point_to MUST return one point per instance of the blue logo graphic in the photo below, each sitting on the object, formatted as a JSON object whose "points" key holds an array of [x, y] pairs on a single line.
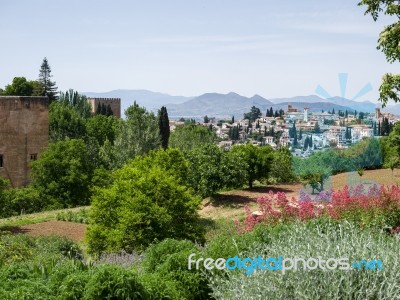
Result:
{"points": [[343, 77]]}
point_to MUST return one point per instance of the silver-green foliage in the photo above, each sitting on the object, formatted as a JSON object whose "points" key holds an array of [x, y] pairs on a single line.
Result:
{"points": [[301, 240]]}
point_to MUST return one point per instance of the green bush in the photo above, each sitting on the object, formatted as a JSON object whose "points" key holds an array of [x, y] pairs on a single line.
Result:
{"points": [[63, 174], [25, 200], [159, 287], [169, 259], [146, 202], [112, 282], [211, 169]]}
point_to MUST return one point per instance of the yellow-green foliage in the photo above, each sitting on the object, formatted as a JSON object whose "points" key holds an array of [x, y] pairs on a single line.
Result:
{"points": [[148, 201]]}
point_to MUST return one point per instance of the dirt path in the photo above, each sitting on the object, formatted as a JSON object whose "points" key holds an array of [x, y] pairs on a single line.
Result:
{"points": [[73, 231]]}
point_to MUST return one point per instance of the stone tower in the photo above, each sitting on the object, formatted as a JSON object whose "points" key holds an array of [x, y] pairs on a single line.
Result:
{"points": [[24, 133], [115, 104]]}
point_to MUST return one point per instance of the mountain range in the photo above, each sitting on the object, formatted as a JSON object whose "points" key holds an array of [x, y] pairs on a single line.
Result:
{"points": [[232, 104]]}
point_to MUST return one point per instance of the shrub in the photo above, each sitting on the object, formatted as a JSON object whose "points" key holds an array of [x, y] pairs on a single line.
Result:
{"points": [[316, 239], [169, 259], [211, 169], [63, 174], [112, 282], [148, 201], [379, 207], [25, 200]]}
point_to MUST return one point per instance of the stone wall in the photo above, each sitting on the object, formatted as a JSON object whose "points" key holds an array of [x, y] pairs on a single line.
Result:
{"points": [[115, 104], [24, 133]]}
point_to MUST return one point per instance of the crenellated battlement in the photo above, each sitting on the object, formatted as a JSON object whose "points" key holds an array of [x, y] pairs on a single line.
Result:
{"points": [[115, 104]]}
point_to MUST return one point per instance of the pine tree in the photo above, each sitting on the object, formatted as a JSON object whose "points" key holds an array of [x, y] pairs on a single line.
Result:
{"points": [[333, 111], [276, 114], [233, 119], [49, 87], [163, 126], [310, 143]]}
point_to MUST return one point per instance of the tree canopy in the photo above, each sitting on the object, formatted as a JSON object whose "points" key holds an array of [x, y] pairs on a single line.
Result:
{"points": [[388, 43]]}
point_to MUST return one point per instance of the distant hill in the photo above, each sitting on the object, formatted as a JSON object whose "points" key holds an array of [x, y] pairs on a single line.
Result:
{"points": [[231, 104], [151, 100], [308, 99], [218, 105]]}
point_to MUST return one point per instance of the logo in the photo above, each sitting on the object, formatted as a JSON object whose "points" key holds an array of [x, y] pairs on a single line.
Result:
{"points": [[343, 77], [250, 265]]}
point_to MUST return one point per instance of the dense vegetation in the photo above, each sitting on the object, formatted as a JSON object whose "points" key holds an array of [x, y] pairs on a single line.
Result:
{"points": [[144, 185]]}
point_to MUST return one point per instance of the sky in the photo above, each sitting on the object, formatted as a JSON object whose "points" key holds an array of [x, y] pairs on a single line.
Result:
{"points": [[184, 47]]}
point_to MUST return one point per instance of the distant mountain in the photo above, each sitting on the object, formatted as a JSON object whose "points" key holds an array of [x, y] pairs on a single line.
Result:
{"points": [[151, 100], [231, 104], [218, 105], [365, 106]]}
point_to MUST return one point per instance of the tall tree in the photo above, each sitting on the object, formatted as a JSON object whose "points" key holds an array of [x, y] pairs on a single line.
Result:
{"points": [[109, 111], [139, 134], [49, 86], [77, 101], [317, 129], [388, 43], [163, 125], [253, 115]]}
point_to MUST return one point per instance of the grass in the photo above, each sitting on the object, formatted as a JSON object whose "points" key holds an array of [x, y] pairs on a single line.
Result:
{"points": [[35, 218]]}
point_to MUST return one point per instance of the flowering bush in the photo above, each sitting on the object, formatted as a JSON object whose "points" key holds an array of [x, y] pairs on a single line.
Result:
{"points": [[377, 207]]}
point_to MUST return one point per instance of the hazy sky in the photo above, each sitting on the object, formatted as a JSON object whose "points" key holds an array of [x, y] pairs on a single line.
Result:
{"points": [[183, 47]]}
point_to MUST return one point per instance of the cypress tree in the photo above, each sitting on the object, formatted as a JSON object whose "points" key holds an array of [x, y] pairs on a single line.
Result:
{"points": [[103, 109], [109, 111], [98, 109], [163, 125]]}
